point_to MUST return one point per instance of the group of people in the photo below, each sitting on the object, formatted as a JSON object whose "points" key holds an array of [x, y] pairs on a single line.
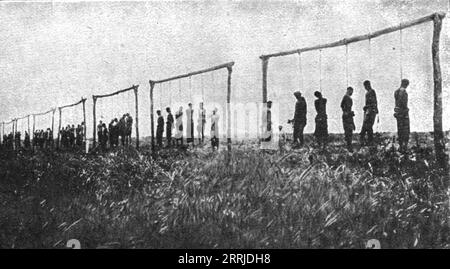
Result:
{"points": [[177, 124], [41, 139], [13, 140], [72, 136], [117, 130], [401, 113]]}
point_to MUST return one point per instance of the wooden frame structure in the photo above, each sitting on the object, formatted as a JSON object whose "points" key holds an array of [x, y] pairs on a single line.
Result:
{"points": [[228, 66], [53, 110], [436, 18], [94, 99], [3, 127], [28, 122], [83, 102]]}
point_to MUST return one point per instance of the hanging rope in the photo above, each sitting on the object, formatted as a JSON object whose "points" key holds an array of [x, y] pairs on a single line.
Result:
{"points": [[370, 59], [170, 93], [300, 81], [160, 95], [401, 53], [346, 64], [320, 70], [201, 87], [190, 89]]}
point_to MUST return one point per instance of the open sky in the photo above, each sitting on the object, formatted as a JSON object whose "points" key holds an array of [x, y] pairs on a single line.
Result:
{"points": [[54, 53]]}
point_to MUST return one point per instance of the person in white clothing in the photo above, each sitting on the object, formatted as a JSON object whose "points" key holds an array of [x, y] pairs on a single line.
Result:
{"points": [[215, 130]]}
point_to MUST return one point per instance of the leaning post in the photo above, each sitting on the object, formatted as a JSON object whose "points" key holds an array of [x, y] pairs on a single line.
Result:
{"points": [[135, 88], [152, 122], [439, 145], [94, 127], [230, 70]]}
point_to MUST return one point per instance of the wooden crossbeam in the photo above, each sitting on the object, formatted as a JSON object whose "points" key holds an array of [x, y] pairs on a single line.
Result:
{"points": [[115, 93], [190, 74], [358, 38], [74, 104]]}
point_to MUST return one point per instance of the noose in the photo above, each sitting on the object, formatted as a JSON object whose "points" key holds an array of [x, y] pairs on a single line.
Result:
{"points": [[401, 53], [370, 58], [160, 95], [320, 70], [170, 93], [202, 88], [190, 89], [370, 78], [346, 64], [300, 70]]}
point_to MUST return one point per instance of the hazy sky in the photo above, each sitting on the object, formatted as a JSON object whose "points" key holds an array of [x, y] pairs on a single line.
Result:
{"points": [[52, 54]]}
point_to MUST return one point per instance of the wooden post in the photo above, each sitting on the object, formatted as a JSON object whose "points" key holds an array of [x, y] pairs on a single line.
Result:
{"points": [[137, 115], [265, 63], [235, 124], [53, 126], [439, 145], [94, 127], [14, 134], [152, 121], [230, 70], [84, 119], [58, 142], [28, 120], [34, 130]]}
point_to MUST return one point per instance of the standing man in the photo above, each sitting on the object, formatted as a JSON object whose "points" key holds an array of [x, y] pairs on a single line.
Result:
{"points": [[370, 112], [401, 113], [321, 120], [299, 120], [267, 122], [129, 128], [169, 126], [190, 124], [99, 132], [105, 135], [347, 118], [159, 129], [27, 140], [112, 133], [215, 130], [201, 123]]}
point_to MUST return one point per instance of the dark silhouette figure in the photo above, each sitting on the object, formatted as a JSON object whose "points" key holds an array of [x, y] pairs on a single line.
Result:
{"points": [[299, 121], [321, 131], [169, 127], [347, 118], [370, 112], [401, 113], [159, 129]]}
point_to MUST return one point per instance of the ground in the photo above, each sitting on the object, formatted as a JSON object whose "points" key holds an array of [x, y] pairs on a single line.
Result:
{"points": [[196, 198]]}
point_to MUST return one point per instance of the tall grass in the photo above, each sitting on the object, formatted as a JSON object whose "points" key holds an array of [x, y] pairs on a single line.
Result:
{"points": [[200, 199]]}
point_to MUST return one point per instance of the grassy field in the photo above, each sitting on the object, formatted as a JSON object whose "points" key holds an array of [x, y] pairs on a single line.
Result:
{"points": [[195, 198]]}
